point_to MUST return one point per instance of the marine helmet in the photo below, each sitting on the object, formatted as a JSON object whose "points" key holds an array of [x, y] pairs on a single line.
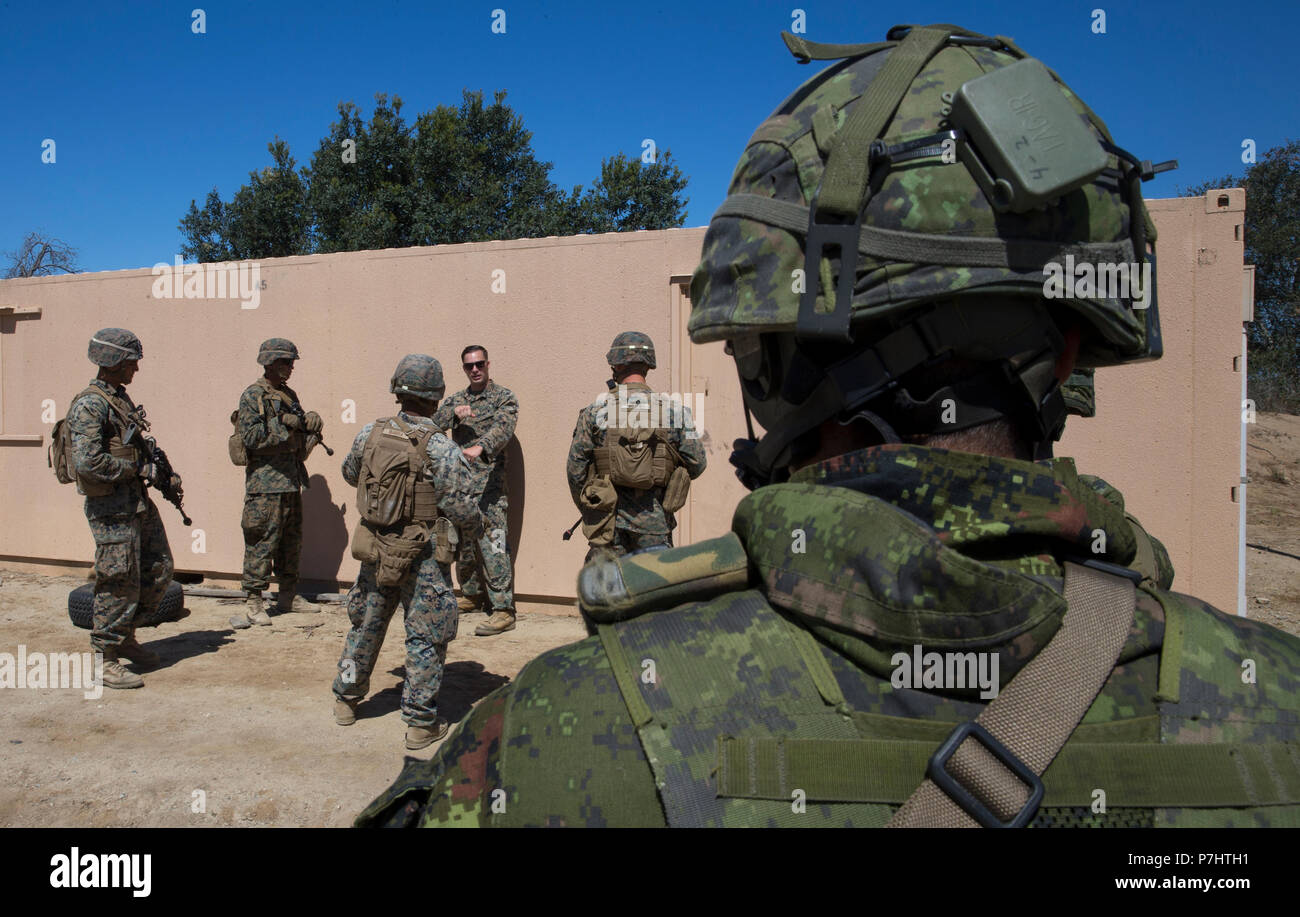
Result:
{"points": [[631, 347], [110, 346], [906, 208], [276, 349], [419, 375]]}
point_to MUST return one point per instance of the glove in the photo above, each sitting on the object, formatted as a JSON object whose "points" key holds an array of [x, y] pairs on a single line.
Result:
{"points": [[313, 423], [148, 471], [176, 483], [291, 421]]}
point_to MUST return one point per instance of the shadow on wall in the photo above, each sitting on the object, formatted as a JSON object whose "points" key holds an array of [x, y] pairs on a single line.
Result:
{"points": [[515, 478], [324, 533]]}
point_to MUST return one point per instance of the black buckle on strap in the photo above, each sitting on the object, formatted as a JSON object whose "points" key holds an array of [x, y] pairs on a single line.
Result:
{"points": [[833, 326], [959, 794]]}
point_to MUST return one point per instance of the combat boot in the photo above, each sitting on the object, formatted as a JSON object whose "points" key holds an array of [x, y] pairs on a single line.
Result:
{"points": [[117, 675], [255, 613], [502, 620], [345, 710], [418, 737], [288, 601], [467, 603], [131, 649]]}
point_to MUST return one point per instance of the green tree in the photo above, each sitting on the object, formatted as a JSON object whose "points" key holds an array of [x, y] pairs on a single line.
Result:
{"points": [[1272, 241], [266, 218], [459, 174]]}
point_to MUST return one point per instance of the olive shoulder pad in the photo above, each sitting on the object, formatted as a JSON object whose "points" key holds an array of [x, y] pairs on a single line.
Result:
{"points": [[619, 588]]}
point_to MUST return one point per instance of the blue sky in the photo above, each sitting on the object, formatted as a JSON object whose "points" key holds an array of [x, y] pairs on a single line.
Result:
{"points": [[147, 115]]}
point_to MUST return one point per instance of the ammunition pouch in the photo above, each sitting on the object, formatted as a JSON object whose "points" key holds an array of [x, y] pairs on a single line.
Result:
{"points": [[365, 547], [424, 503], [599, 509], [235, 445], [446, 540]]}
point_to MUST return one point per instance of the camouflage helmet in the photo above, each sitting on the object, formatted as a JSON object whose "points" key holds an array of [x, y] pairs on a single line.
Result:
{"points": [[631, 347], [420, 375], [276, 349], [110, 346], [892, 214]]}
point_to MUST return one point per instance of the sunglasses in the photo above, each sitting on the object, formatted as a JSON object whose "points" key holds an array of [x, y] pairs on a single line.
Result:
{"points": [[479, 364]]}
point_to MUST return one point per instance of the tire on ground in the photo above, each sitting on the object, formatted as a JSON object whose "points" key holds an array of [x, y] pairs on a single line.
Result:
{"points": [[81, 610]]}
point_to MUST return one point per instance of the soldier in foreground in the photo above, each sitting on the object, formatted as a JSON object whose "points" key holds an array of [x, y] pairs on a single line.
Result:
{"points": [[133, 562], [906, 503], [482, 419], [633, 457], [414, 490], [274, 432]]}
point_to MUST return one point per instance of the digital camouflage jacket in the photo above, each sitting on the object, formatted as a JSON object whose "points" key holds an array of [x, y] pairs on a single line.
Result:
{"points": [[91, 423], [748, 680], [496, 411], [638, 510], [448, 471], [274, 451]]}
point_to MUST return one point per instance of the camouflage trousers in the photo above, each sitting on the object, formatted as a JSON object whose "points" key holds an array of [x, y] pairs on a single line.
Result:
{"points": [[431, 618], [488, 559], [133, 568], [627, 541], [272, 525]]}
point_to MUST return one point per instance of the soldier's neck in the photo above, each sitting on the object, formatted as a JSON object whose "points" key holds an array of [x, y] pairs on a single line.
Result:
{"points": [[482, 385]]}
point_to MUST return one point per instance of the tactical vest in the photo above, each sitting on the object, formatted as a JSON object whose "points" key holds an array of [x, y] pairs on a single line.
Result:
{"points": [[61, 457], [389, 489], [742, 713], [278, 405]]}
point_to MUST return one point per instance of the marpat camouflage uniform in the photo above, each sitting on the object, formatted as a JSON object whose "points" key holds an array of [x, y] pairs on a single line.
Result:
{"points": [[133, 562], [273, 482], [496, 411], [425, 592], [641, 521], [903, 545]]}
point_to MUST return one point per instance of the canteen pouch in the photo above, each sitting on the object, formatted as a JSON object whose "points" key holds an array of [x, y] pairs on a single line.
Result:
{"points": [[446, 540], [599, 508], [364, 546], [235, 445], [679, 486]]}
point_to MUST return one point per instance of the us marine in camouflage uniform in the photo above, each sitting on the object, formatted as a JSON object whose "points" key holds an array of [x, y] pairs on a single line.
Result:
{"points": [[133, 562], [277, 441], [641, 522], [425, 589], [906, 500], [482, 419]]}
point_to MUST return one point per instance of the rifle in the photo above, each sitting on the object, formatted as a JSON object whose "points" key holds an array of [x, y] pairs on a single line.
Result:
{"points": [[156, 457], [296, 409]]}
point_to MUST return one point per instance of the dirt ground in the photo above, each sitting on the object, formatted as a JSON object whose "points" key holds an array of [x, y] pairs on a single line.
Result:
{"points": [[1273, 520], [242, 720], [245, 717]]}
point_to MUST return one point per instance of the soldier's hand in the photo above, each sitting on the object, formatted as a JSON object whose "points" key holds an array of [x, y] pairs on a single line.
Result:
{"points": [[463, 411], [291, 421], [176, 483], [313, 423], [149, 471], [473, 452]]}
